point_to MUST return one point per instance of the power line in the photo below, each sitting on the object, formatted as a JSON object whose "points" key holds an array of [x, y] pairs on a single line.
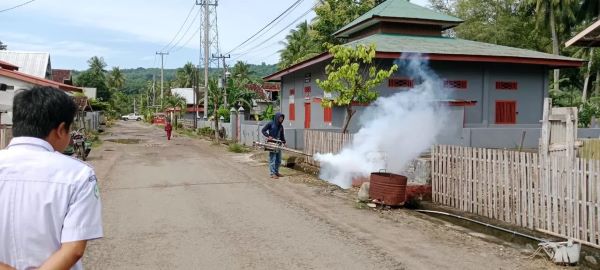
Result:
{"points": [[272, 26], [257, 50], [283, 29], [181, 27], [273, 21], [188, 41], [17, 6], [186, 31]]}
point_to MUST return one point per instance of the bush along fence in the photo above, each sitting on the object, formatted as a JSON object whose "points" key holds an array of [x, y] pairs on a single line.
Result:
{"points": [[5, 137]]}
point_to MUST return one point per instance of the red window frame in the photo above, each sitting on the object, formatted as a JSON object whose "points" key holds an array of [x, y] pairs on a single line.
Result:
{"points": [[507, 85], [292, 113], [401, 83], [456, 84], [307, 114], [327, 115], [292, 106], [506, 112]]}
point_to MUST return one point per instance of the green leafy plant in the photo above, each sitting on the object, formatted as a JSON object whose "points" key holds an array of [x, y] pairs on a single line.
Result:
{"points": [[351, 77], [268, 114], [206, 131]]}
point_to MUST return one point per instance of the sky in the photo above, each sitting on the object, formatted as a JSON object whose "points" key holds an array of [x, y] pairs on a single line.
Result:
{"points": [[128, 33]]}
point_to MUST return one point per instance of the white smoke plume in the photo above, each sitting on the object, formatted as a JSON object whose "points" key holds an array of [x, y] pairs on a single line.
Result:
{"points": [[394, 130]]}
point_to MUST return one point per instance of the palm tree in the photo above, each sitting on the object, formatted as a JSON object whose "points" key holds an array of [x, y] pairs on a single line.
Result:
{"points": [[116, 79], [241, 70], [97, 65], [185, 75], [298, 45], [2, 46], [558, 14], [589, 10], [241, 74]]}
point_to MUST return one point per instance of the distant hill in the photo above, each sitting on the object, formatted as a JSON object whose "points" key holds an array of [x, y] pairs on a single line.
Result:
{"points": [[136, 78]]}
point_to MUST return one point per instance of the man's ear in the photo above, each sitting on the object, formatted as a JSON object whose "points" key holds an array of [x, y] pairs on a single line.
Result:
{"points": [[63, 130]]}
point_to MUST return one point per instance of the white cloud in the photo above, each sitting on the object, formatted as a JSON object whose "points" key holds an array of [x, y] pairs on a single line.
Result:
{"points": [[64, 48], [149, 21]]}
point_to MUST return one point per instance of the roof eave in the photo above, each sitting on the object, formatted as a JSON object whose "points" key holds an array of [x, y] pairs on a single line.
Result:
{"points": [[39, 81], [275, 77], [344, 32], [583, 35], [551, 63]]}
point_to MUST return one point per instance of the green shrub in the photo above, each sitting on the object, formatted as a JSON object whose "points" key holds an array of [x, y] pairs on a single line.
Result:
{"points": [[206, 131], [237, 148]]}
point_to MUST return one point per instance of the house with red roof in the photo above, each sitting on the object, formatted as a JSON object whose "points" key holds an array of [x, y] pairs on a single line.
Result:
{"points": [[12, 80]]}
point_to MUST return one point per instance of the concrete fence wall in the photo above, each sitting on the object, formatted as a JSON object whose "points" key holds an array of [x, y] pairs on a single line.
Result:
{"points": [[92, 121], [498, 137]]}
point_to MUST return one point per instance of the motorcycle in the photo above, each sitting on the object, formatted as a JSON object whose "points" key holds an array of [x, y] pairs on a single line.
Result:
{"points": [[79, 145]]}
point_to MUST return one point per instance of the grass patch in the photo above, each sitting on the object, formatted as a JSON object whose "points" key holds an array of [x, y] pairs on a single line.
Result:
{"points": [[188, 132], [361, 205], [206, 131], [237, 148]]}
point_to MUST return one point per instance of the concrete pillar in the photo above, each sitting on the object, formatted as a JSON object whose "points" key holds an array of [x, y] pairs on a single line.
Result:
{"points": [[241, 117], [233, 121]]}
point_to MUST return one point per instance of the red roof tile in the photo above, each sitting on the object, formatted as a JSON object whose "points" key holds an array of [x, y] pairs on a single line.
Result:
{"points": [[38, 81], [7, 65], [61, 75]]}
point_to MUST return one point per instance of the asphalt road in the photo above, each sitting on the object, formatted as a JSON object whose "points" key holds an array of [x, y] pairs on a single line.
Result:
{"points": [[189, 204]]}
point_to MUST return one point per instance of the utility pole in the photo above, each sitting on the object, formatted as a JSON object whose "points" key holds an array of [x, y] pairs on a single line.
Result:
{"points": [[210, 38], [196, 91], [162, 75], [225, 76], [153, 90]]}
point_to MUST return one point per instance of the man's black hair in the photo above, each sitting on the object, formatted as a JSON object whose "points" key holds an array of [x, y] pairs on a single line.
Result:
{"points": [[36, 112]]}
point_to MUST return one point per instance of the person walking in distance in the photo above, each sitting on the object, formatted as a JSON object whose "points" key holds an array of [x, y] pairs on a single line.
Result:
{"points": [[49, 202], [168, 129], [275, 133]]}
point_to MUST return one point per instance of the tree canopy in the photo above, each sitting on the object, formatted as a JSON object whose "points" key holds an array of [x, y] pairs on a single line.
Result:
{"points": [[311, 38]]}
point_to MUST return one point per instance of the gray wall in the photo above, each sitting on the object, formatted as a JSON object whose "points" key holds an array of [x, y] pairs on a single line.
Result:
{"points": [[481, 80], [92, 120]]}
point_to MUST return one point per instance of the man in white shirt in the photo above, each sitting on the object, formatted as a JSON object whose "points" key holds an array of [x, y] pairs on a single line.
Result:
{"points": [[49, 202]]}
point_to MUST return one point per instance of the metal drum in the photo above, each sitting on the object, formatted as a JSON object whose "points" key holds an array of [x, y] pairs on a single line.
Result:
{"points": [[388, 188]]}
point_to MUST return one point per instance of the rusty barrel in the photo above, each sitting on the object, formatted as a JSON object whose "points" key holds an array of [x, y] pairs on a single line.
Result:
{"points": [[388, 188]]}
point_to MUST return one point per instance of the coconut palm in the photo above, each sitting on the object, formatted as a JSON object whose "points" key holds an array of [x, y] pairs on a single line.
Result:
{"points": [[241, 75], [97, 64], [589, 9], [559, 15], [116, 79], [185, 75], [298, 45], [241, 70]]}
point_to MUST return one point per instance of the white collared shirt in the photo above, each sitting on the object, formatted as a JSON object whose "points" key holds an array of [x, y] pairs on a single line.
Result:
{"points": [[46, 198]]}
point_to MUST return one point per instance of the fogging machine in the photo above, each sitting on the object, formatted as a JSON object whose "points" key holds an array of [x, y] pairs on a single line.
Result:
{"points": [[277, 145]]}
